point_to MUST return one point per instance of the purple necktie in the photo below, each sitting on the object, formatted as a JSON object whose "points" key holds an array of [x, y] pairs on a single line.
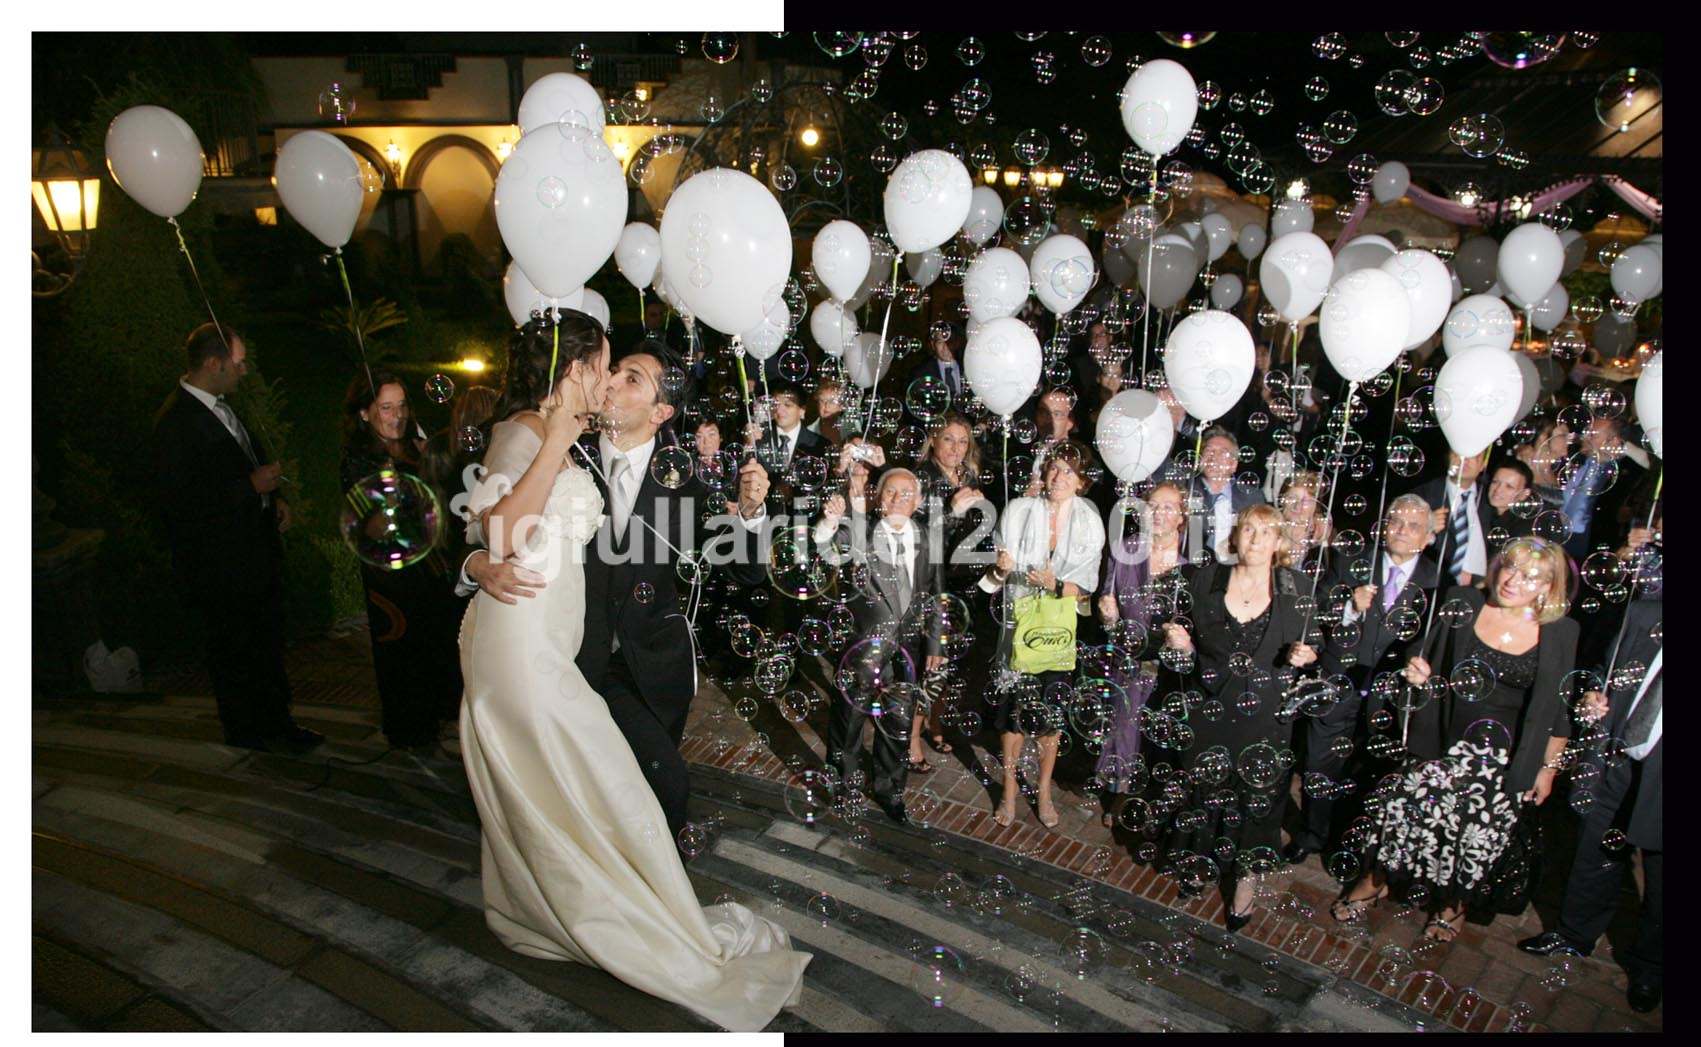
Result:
{"points": [[1391, 588]]}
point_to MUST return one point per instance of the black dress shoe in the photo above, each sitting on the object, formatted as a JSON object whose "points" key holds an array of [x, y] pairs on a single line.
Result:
{"points": [[1643, 996], [1235, 923], [1550, 942], [1296, 852], [896, 812]]}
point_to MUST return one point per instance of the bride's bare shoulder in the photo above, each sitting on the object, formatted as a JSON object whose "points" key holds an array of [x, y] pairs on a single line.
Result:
{"points": [[531, 420]]}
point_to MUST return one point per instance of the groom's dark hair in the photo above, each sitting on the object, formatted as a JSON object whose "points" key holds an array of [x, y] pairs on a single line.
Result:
{"points": [[670, 361]]}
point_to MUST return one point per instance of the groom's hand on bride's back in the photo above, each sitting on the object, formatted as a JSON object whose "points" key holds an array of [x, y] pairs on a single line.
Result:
{"points": [[503, 580]]}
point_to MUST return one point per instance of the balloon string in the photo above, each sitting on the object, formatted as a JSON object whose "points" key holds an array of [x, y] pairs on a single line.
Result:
{"points": [[1382, 501], [874, 390], [1429, 620], [183, 245], [743, 380], [1198, 467], [1151, 245], [554, 355], [354, 321], [1329, 507]]}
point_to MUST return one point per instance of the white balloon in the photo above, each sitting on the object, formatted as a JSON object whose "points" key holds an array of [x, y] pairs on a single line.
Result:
{"points": [[1477, 394], [561, 207], [154, 156], [1650, 402], [1550, 311], [1295, 273], [1365, 321], [1576, 250], [996, 284], [561, 98], [319, 184], [1480, 319], [1173, 266], [841, 256], [867, 360], [1134, 434], [726, 246], [520, 296], [1532, 385], [1458, 288], [1636, 274], [1209, 363], [1429, 292], [1251, 240], [1061, 272], [1227, 291], [1292, 216], [1529, 262], [1195, 234], [985, 217], [1159, 103], [880, 260], [1118, 267], [592, 303], [1002, 364], [1362, 252], [833, 327], [925, 267], [927, 199], [1219, 235], [1390, 182], [1475, 263], [765, 339], [638, 254]]}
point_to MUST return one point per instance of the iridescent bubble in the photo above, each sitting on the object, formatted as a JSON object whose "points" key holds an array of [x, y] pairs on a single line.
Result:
{"points": [[838, 45], [828, 172], [971, 51], [1521, 50], [1626, 97], [1096, 51], [672, 466], [1317, 89], [1031, 146], [1480, 135], [720, 48], [391, 519], [336, 103], [1391, 91], [1340, 127], [439, 388], [1425, 96], [937, 975], [809, 796], [1187, 40]]}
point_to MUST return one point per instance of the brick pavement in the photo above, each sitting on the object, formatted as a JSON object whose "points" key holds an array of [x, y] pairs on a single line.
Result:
{"points": [[1479, 982]]}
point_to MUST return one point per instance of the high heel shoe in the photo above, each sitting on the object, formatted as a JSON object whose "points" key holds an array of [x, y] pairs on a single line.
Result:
{"points": [[1235, 923]]}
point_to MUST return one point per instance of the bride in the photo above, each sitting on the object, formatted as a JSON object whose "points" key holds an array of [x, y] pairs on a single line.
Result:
{"points": [[578, 863]]}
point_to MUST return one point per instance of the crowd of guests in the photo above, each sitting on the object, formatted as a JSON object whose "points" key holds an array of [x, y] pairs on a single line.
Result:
{"points": [[1274, 648]]}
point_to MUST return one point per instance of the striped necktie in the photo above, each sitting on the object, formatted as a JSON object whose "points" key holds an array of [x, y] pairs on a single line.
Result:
{"points": [[1461, 536]]}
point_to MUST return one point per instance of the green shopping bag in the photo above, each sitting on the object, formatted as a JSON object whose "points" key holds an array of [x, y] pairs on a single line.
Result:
{"points": [[1045, 634]]}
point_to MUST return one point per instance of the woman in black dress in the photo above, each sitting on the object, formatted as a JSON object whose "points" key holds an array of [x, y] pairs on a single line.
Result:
{"points": [[1247, 635], [1493, 738], [410, 612]]}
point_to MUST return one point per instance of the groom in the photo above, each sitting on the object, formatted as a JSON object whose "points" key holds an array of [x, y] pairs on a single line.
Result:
{"points": [[637, 651]]}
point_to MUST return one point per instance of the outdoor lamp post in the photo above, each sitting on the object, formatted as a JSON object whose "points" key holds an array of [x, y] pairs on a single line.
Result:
{"points": [[66, 190]]}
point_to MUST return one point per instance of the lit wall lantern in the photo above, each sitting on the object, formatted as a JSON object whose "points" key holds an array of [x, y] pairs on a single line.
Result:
{"points": [[1012, 177], [810, 137], [66, 191], [990, 174], [504, 149], [266, 215], [1054, 177], [393, 153]]}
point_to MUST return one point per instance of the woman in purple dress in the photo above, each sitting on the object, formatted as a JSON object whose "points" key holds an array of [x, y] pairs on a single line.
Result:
{"points": [[1142, 573]]}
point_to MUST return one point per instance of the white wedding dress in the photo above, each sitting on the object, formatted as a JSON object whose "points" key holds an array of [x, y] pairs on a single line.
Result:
{"points": [[578, 861]]}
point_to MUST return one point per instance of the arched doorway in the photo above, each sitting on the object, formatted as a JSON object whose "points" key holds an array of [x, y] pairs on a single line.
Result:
{"points": [[374, 172], [456, 178]]}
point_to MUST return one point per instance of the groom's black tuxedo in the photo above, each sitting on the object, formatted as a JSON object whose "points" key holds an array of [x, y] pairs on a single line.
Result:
{"points": [[633, 594]]}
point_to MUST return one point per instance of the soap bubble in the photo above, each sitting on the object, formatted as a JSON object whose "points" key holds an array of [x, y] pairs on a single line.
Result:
{"points": [[439, 388], [391, 519], [937, 975]]}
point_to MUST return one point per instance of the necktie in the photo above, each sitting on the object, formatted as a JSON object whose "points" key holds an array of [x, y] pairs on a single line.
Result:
{"points": [[234, 424], [619, 490], [902, 569], [1641, 722], [1391, 587], [1460, 534], [951, 378], [785, 448], [1579, 501]]}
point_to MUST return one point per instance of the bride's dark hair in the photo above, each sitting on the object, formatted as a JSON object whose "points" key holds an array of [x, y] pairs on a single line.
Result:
{"points": [[527, 379]]}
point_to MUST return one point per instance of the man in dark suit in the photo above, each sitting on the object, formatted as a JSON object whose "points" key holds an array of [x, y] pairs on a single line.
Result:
{"points": [[1627, 812], [1463, 517], [1510, 483], [943, 364], [218, 495], [1220, 497], [1597, 491], [903, 570], [1401, 578], [638, 651]]}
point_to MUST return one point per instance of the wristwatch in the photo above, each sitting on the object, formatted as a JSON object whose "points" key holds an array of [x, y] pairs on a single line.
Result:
{"points": [[1057, 588]]}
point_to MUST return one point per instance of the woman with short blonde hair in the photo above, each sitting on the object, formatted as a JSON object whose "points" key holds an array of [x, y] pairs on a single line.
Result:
{"points": [[1488, 739]]}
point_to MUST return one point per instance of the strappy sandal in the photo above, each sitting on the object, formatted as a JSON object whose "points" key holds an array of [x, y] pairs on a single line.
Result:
{"points": [[1049, 823], [1005, 815], [1447, 932], [939, 744], [1355, 908], [921, 766]]}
